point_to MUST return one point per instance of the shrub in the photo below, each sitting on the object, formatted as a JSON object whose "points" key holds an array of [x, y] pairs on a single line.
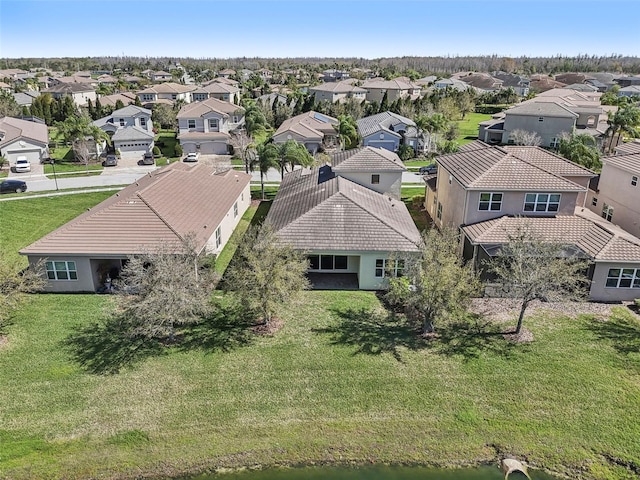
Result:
{"points": [[406, 152], [156, 152], [178, 150]]}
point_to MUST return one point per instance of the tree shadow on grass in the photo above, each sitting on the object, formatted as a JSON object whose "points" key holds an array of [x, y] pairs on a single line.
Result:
{"points": [[473, 336], [374, 333], [621, 331], [227, 327], [107, 347]]}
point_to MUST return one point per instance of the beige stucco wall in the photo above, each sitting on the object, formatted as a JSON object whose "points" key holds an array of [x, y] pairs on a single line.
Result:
{"points": [[230, 222], [601, 293], [615, 189], [452, 196], [84, 283], [390, 182]]}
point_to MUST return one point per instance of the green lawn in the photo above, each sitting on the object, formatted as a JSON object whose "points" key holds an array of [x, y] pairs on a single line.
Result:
{"points": [[168, 141], [468, 127]]}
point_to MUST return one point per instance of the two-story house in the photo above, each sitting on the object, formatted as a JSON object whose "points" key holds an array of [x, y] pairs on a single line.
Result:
{"points": [[79, 92], [221, 91], [395, 89], [389, 130], [130, 129], [374, 168], [490, 192], [314, 130], [337, 92], [205, 126], [168, 92], [616, 194]]}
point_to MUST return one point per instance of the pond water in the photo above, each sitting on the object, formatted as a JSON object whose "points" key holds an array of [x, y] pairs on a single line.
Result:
{"points": [[376, 473]]}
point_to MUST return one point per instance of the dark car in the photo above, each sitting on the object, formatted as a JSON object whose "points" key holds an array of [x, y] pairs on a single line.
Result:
{"points": [[110, 161], [13, 186], [148, 159], [429, 169]]}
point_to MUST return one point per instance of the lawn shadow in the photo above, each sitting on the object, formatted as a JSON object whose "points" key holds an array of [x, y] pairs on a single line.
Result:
{"points": [[621, 331], [473, 336], [374, 333], [107, 347], [227, 327]]}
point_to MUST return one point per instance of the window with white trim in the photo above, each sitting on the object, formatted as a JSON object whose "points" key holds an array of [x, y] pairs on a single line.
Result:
{"points": [[235, 210], [594, 201], [143, 122], [122, 122], [634, 181], [607, 212], [386, 267], [439, 214], [623, 278], [191, 124], [218, 237], [61, 270], [542, 202], [375, 179], [213, 124], [554, 143], [147, 97], [490, 201], [235, 119]]}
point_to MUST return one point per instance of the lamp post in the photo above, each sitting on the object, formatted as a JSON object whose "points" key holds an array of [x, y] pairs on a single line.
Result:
{"points": [[53, 165]]}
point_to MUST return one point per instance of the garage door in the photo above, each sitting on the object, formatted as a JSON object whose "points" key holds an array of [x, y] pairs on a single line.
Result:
{"points": [[32, 155], [386, 144]]}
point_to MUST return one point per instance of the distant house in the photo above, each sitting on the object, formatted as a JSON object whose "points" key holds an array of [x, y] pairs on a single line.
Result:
{"points": [[79, 92], [453, 83], [226, 73], [395, 89], [168, 92], [25, 99], [127, 98], [344, 228], [23, 138], [315, 130], [161, 209], [160, 76], [389, 130], [334, 75], [130, 129], [520, 84], [4, 87], [205, 126], [220, 91], [630, 91], [337, 92], [616, 195], [374, 168], [481, 81]]}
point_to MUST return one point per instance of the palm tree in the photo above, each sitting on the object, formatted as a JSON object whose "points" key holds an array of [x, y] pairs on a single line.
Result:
{"points": [[625, 120], [347, 132], [266, 158], [581, 148], [292, 153], [433, 125]]}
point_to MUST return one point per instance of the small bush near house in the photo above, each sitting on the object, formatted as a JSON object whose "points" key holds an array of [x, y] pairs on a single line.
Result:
{"points": [[156, 152], [178, 150], [406, 152]]}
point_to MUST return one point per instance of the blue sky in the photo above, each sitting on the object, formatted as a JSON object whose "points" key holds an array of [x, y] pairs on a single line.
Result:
{"points": [[328, 28]]}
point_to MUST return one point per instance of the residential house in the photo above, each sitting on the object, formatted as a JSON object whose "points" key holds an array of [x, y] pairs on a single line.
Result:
{"points": [[334, 75], [628, 147], [127, 98], [205, 126], [349, 232], [630, 91], [315, 130], [23, 138], [13, 73], [518, 83], [541, 83], [168, 92], [375, 168], [481, 81], [106, 79], [389, 130], [79, 92], [221, 91], [616, 194], [337, 92], [161, 210], [395, 89], [25, 99], [160, 76], [226, 73], [130, 129], [453, 83], [4, 87], [627, 81]]}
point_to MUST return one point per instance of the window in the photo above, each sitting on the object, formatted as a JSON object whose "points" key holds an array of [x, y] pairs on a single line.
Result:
{"points": [[541, 202], [555, 142], [375, 179], [328, 262], [623, 278], [607, 212], [634, 181], [213, 124], [143, 122], [541, 119], [235, 210], [191, 124], [147, 97], [61, 271], [384, 267], [235, 119], [490, 201], [594, 201], [439, 214], [218, 238], [174, 96], [122, 122]]}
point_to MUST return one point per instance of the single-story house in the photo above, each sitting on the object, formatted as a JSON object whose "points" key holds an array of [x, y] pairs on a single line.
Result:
{"points": [[162, 208], [23, 138]]}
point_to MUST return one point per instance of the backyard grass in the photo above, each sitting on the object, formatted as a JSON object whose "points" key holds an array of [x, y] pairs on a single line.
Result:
{"points": [[168, 142], [468, 127]]}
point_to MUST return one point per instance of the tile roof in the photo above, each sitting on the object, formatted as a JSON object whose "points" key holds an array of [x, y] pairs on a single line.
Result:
{"points": [[168, 87], [551, 109], [309, 125], [381, 121], [199, 109], [131, 133], [597, 239], [337, 87], [367, 159], [494, 167], [629, 147], [69, 88], [629, 162], [15, 128], [394, 84], [220, 88], [161, 207], [548, 161], [316, 210]]}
